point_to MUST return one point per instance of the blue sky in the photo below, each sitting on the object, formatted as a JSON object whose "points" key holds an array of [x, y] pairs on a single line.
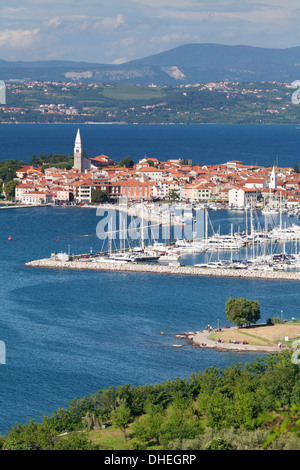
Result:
{"points": [[115, 31]]}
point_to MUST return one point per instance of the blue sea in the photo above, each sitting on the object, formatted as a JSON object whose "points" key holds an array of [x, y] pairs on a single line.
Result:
{"points": [[70, 333], [204, 144]]}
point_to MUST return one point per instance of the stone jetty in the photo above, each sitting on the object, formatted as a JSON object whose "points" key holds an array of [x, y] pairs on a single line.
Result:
{"points": [[82, 263]]}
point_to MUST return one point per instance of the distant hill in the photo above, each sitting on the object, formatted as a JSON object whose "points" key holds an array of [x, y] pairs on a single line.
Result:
{"points": [[190, 63]]}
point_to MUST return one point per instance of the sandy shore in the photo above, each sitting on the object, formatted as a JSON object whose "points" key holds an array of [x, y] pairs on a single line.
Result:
{"points": [[163, 269]]}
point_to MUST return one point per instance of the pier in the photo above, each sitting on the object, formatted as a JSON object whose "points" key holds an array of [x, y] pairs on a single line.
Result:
{"points": [[86, 264]]}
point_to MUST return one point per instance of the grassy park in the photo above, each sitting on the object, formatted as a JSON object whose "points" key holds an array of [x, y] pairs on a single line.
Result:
{"points": [[261, 335]]}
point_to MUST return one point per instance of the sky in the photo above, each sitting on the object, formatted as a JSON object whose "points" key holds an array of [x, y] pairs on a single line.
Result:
{"points": [[117, 31]]}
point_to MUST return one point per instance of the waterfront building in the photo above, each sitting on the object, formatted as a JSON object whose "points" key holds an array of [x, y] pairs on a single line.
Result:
{"points": [[242, 197], [37, 197], [21, 189], [136, 190]]}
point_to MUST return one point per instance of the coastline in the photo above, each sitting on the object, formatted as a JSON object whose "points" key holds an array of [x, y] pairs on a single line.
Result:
{"points": [[124, 123], [200, 339], [163, 269]]}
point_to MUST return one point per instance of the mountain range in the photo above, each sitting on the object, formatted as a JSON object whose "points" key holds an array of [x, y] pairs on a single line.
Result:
{"points": [[186, 64]]}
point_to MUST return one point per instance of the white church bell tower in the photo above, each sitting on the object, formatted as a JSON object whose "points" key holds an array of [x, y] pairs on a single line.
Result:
{"points": [[273, 179], [80, 162], [78, 153]]}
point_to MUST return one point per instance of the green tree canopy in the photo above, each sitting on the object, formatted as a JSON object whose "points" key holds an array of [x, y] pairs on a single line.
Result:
{"points": [[99, 196], [127, 161], [121, 417], [173, 195], [242, 311], [9, 189]]}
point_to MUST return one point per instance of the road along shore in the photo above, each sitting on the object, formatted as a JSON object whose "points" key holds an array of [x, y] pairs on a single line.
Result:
{"points": [[163, 269]]}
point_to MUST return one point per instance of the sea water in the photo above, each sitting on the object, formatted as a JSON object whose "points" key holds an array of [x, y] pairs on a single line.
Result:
{"points": [[203, 144]]}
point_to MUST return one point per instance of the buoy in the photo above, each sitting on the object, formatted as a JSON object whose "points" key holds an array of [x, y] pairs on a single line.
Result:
{"points": [[57, 239], [9, 238]]}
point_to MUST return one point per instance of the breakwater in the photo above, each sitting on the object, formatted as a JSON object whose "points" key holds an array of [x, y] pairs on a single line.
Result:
{"points": [[163, 269]]}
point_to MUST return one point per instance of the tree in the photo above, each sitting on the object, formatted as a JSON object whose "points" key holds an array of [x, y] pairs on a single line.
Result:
{"points": [[173, 195], [242, 311], [219, 444], [280, 421], [9, 189], [181, 422], [121, 417], [126, 162], [34, 160], [99, 196], [149, 425], [74, 442], [30, 436]]}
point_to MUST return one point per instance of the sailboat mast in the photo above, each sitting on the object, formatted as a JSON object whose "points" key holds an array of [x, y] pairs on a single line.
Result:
{"points": [[142, 229]]}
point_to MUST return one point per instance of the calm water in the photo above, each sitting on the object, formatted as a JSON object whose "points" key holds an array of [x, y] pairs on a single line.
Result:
{"points": [[252, 144], [68, 334]]}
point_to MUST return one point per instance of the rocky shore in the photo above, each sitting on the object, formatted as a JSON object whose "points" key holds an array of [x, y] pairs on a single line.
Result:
{"points": [[163, 269]]}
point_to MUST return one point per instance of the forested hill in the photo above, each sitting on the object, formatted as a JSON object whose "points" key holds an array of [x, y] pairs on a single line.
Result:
{"points": [[189, 63]]}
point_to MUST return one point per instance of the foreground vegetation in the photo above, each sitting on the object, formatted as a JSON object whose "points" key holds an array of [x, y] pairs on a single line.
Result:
{"points": [[256, 406]]}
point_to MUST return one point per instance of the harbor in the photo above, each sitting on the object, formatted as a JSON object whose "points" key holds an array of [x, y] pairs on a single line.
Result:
{"points": [[136, 242]]}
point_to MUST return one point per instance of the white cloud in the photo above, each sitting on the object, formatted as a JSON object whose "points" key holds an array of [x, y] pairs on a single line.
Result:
{"points": [[18, 38], [174, 37], [109, 24], [119, 61], [102, 25], [54, 22], [94, 30], [127, 41]]}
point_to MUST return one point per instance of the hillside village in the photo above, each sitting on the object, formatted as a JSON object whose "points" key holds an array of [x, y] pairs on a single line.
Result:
{"points": [[210, 102], [233, 183]]}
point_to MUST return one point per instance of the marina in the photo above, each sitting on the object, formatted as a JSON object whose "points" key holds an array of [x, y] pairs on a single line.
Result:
{"points": [[257, 251]]}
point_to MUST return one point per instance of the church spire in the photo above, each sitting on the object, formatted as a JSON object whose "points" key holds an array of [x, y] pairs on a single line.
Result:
{"points": [[78, 138], [78, 152], [273, 179]]}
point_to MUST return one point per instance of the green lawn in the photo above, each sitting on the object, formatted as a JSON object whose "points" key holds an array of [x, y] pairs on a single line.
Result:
{"points": [[112, 438], [130, 92]]}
